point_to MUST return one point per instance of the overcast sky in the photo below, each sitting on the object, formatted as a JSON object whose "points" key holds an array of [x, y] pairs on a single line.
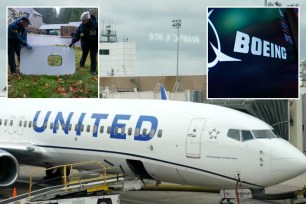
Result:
{"points": [[148, 23]]}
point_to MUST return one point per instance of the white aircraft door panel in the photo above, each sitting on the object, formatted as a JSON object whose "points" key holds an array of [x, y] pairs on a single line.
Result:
{"points": [[193, 138]]}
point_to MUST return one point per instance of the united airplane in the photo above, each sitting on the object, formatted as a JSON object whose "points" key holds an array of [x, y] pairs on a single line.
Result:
{"points": [[179, 142]]}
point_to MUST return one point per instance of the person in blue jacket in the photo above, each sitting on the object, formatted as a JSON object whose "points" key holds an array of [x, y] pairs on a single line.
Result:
{"points": [[17, 38], [87, 32]]}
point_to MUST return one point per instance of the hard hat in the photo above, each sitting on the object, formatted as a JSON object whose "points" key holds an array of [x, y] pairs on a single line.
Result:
{"points": [[85, 16]]}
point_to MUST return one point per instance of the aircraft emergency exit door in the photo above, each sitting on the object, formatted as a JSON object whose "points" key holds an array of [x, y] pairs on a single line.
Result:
{"points": [[193, 138]]}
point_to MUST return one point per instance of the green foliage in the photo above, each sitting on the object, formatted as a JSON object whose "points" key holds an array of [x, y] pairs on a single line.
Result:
{"points": [[80, 84], [49, 15], [55, 60], [67, 15]]}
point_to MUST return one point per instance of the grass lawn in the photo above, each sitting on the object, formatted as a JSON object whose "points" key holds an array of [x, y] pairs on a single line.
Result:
{"points": [[79, 85]]}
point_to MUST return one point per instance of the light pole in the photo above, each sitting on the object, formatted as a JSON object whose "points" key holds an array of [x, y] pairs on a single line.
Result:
{"points": [[177, 24]]}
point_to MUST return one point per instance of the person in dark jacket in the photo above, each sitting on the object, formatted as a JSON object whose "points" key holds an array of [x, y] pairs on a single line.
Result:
{"points": [[17, 38], [87, 32]]}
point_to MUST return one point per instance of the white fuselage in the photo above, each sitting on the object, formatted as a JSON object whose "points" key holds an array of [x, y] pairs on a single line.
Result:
{"points": [[178, 142]]}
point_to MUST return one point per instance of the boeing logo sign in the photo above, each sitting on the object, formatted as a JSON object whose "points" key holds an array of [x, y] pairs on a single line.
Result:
{"points": [[220, 57], [252, 53], [245, 44], [258, 46]]}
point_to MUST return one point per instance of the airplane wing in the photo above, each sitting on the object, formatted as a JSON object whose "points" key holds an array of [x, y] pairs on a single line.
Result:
{"points": [[14, 153], [23, 151]]}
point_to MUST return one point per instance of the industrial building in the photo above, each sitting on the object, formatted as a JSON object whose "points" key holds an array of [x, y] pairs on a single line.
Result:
{"points": [[116, 58], [63, 30], [149, 87]]}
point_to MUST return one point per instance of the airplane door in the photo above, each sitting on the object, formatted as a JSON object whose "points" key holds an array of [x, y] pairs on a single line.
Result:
{"points": [[193, 138]]}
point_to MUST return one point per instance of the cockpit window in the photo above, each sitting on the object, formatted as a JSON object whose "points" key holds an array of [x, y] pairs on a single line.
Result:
{"points": [[259, 134], [234, 134], [246, 135]]}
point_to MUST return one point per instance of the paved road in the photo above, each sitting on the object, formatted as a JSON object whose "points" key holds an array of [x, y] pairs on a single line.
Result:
{"points": [[162, 197]]}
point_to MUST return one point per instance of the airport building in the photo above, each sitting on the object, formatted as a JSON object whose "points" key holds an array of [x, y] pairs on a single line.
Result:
{"points": [[193, 87], [116, 58]]}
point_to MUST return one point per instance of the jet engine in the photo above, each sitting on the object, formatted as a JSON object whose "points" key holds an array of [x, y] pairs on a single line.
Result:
{"points": [[9, 169]]}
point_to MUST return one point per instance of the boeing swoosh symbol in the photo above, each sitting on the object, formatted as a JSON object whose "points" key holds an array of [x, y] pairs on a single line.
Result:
{"points": [[220, 57]]}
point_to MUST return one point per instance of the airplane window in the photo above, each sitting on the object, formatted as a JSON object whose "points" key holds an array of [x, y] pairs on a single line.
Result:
{"points": [[0, 121], [246, 135], [30, 124], [144, 132], [130, 130], [234, 134], [137, 131], [34, 124], [116, 130], [152, 133], [160, 133], [20, 123], [101, 129], [11, 123], [88, 128], [94, 129], [76, 127], [5, 122], [108, 129], [70, 127], [63, 126], [45, 125], [82, 128], [25, 123], [57, 126], [122, 131], [51, 126], [263, 134]]}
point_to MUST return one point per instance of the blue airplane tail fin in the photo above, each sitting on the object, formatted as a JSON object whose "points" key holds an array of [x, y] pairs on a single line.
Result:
{"points": [[163, 93]]}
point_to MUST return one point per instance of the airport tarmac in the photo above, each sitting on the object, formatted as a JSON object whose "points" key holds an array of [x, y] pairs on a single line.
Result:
{"points": [[159, 197]]}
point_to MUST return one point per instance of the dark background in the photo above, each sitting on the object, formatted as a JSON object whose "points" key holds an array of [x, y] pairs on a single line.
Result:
{"points": [[254, 76]]}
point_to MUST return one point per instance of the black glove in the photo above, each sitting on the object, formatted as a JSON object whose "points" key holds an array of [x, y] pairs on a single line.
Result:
{"points": [[71, 45]]}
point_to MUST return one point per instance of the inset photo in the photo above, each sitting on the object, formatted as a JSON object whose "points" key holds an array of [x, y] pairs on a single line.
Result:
{"points": [[52, 52], [2, 74], [253, 53], [159, 58]]}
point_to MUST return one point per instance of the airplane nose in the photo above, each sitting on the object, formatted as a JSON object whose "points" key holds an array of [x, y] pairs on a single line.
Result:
{"points": [[286, 161]]}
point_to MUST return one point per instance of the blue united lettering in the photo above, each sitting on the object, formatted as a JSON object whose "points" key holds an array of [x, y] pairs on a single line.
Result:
{"points": [[119, 121]]}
